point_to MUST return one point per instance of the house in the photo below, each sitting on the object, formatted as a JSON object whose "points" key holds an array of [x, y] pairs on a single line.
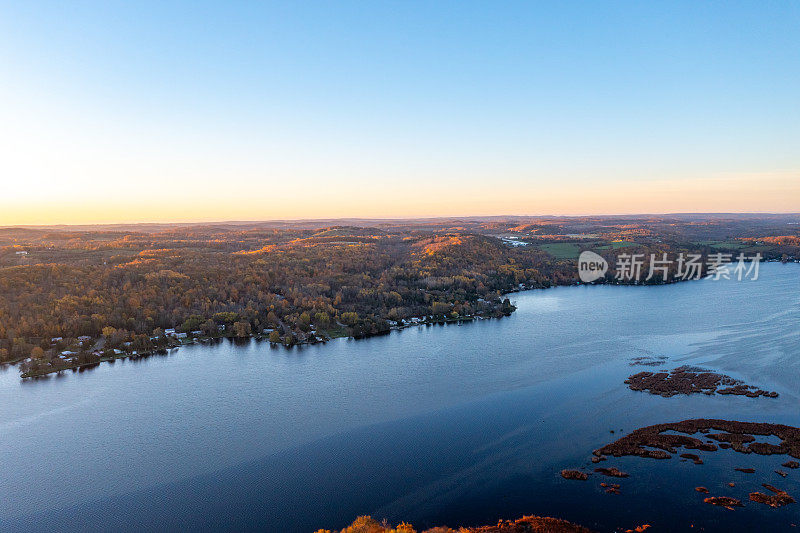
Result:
{"points": [[68, 353], [84, 338], [117, 351], [197, 333], [22, 253], [180, 335], [56, 339], [170, 331]]}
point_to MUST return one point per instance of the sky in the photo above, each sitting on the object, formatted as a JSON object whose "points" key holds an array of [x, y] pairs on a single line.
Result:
{"points": [[130, 111]]}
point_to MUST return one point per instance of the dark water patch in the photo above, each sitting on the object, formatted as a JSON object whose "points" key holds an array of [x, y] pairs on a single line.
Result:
{"points": [[648, 360]]}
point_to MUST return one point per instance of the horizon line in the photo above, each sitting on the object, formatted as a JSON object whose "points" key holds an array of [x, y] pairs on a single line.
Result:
{"points": [[390, 219]]}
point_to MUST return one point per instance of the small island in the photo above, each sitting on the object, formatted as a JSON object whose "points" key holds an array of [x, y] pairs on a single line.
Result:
{"points": [[693, 380], [661, 440]]}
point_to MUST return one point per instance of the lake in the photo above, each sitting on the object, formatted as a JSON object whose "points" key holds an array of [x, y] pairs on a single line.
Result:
{"points": [[456, 425]]}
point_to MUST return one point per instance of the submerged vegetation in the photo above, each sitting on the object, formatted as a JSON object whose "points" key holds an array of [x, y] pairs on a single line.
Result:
{"points": [[662, 441]]}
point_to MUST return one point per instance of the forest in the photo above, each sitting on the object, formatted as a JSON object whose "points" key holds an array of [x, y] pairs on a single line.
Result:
{"points": [[73, 296]]}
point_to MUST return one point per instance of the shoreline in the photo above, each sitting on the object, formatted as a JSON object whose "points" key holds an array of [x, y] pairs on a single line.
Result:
{"points": [[257, 337], [426, 320]]}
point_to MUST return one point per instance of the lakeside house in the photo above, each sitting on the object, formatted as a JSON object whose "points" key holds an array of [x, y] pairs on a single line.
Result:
{"points": [[170, 331]]}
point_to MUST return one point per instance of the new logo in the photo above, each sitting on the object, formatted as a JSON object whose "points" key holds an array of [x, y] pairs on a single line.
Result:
{"points": [[591, 266]]}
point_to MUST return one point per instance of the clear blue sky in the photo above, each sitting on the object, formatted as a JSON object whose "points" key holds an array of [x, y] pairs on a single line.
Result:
{"points": [[120, 111]]}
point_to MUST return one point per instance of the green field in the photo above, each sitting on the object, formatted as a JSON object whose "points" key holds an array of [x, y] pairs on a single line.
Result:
{"points": [[571, 250], [562, 250]]}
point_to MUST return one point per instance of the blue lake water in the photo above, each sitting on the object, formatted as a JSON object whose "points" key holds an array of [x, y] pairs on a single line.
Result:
{"points": [[455, 425]]}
